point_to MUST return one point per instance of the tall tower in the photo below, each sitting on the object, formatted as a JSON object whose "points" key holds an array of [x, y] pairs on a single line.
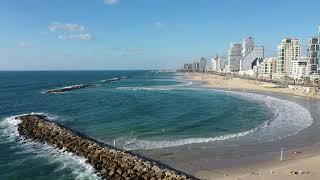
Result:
{"points": [[314, 53], [247, 45], [289, 50], [234, 57]]}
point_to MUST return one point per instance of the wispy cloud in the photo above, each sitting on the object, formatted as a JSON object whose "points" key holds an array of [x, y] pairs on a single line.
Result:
{"points": [[83, 37], [24, 44], [69, 27], [111, 2], [158, 24]]}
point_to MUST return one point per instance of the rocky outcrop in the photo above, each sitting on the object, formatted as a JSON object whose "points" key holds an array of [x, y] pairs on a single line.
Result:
{"points": [[109, 162], [69, 88]]}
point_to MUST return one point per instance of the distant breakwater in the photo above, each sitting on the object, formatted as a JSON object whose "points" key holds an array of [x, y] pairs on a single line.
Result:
{"points": [[70, 88], [109, 162]]}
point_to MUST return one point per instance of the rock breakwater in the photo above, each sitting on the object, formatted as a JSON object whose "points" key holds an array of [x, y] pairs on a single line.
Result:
{"points": [[110, 163], [69, 88]]}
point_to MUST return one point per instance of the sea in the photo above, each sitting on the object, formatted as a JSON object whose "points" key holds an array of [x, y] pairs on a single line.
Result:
{"points": [[144, 110]]}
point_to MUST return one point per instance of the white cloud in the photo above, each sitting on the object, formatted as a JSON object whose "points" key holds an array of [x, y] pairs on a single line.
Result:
{"points": [[24, 44], [70, 27], [158, 24], [111, 2], [83, 37]]}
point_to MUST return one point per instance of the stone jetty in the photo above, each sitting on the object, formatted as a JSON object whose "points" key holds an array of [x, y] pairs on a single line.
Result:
{"points": [[69, 88], [110, 163]]}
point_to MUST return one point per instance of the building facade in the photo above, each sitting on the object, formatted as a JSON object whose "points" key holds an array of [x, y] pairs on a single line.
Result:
{"points": [[299, 68], [289, 50], [268, 68], [313, 54], [234, 57], [203, 64], [248, 59], [247, 46]]}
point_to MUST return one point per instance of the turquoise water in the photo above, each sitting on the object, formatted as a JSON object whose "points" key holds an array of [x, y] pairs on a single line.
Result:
{"points": [[147, 110]]}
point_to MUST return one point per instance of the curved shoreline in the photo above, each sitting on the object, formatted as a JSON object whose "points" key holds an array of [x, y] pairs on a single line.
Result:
{"points": [[109, 162], [247, 161]]}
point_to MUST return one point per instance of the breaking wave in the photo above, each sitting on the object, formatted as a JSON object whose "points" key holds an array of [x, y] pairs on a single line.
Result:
{"points": [[288, 119], [34, 150]]}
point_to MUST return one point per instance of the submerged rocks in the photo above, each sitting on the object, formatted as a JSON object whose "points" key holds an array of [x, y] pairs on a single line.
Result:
{"points": [[109, 162], [69, 88]]}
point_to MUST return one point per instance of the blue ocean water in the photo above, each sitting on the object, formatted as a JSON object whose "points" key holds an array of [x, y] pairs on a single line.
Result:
{"points": [[145, 110]]}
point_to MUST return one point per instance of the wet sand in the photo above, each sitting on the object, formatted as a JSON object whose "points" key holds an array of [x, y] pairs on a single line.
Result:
{"points": [[252, 161]]}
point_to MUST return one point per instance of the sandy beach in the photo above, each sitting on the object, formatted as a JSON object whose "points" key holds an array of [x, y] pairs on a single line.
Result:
{"points": [[231, 83], [302, 164]]}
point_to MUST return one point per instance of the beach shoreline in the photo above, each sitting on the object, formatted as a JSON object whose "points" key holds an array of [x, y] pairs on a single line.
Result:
{"points": [[239, 84], [256, 161], [300, 162]]}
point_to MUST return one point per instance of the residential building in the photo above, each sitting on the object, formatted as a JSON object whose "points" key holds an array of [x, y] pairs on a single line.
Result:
{"points": [[234, 57], [203, 64], [299, 68], [187, 67], [268, 68], [289, 50], [314, 54]]}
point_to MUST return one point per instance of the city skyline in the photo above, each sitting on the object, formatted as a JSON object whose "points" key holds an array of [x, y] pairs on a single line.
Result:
{"points": [[121, 34]]}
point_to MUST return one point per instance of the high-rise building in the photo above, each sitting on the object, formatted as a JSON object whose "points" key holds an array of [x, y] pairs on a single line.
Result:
{"points": [[289, 50], [234, 57], [314, 54], [247, 45], [257, 52], [203, 64]]}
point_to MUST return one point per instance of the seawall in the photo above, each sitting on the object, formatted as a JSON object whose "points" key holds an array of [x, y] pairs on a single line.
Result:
{"points": [[110, 163]]}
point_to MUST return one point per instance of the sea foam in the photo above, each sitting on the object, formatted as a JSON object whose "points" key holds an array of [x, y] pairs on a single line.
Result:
{"points": [[289, 118], [31, 149]]}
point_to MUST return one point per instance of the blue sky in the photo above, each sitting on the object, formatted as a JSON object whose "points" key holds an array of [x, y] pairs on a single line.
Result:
{"points": [[142, 34]]}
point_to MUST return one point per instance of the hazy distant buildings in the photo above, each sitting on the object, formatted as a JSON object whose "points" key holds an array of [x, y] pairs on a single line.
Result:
{"points": [[247, 46], [289, 50], [203, 64], [187, 67], [234, 57]]}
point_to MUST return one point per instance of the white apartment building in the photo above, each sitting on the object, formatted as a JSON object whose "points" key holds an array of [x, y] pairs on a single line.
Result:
{"points": [[300, 68], [289, 50], [268, 68]]}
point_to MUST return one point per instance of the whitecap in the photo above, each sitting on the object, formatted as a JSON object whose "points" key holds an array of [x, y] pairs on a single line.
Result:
{"points": [[289, 119]]}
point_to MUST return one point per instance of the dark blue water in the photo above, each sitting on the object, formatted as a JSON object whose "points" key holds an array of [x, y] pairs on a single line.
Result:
{"points": [[146, 110]]}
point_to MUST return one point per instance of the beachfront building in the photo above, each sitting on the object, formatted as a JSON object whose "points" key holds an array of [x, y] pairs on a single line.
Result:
{"points": [[196, 66], [313, 54], [247, 60], [187, 67], [215, 64], [299, 68], [234, 57], [289, 50], [202, 64], [267, 68], [247, 45]]}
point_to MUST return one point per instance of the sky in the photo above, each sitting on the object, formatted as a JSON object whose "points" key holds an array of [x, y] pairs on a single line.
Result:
{"points": [[142, 34]]}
